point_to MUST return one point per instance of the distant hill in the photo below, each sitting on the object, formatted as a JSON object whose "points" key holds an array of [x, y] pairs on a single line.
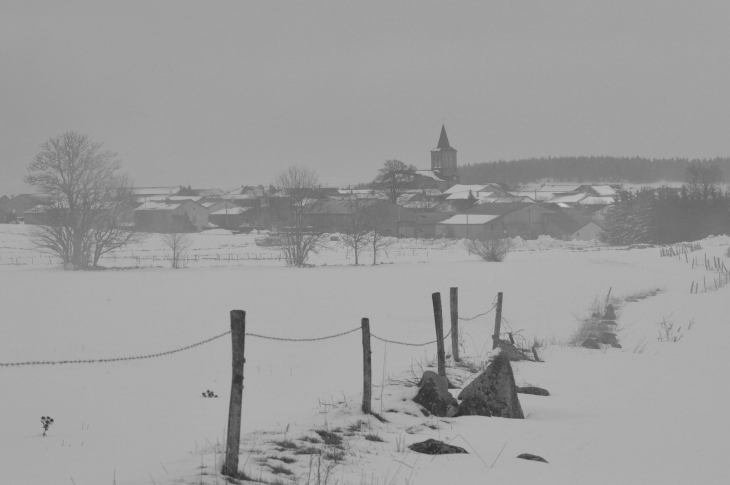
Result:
{"points": [[582, 169]]}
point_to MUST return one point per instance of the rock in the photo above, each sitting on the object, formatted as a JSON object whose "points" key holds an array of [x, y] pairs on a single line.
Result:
{"points": [[607, 338], [609, 313], [531, 457], [609, 322], [537, 391], [591, 343], [435, 447], [434, 395], [496, 388], [472, 406]]}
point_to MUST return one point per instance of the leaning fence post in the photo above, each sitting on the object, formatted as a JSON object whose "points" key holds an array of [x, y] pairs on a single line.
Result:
{"points": [[454, 303], [439, 320], [367, 388], [497, 321], [238, 338]]}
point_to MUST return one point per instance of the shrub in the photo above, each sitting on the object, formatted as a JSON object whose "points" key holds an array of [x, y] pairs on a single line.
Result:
{"points": [[46, 422], [492, 249]]}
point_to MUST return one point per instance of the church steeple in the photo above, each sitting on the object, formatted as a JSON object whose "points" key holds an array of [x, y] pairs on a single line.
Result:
{"points": [[443, 157], [443, 139]]}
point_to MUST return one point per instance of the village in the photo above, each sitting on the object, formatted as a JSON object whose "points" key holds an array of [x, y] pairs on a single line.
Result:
{"points": [[431, 204]]}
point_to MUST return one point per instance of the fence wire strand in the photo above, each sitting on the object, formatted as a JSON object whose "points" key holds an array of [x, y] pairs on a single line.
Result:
{"points": [[406, 343], [282, 339], [477, 316], [266, 337], [116, 359]]}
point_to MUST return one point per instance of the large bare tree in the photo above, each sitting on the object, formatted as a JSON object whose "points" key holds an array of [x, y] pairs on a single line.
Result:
{"points": [[394, 179], [89, 203], [299, 185]]}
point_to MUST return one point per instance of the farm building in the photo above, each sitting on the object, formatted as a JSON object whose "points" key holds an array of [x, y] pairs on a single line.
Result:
{"points": [[572, 225], [471, 226], [21, 203], [232, 217], [426, 223], [527, 220], [333, 215], [168, 216]]}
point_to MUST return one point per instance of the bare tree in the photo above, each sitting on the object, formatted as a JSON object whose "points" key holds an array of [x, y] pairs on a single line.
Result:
{"points": [[394, 179], [378, 217], [356, 232], [703, 180], [88, 201], [489, 249], [178, 243], [299, 185]]}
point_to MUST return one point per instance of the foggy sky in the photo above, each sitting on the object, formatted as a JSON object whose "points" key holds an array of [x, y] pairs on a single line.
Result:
{"points": [[220, 94]]}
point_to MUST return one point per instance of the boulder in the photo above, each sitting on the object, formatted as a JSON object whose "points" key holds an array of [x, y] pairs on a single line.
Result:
{"points": [[591, 343], [496, 388], [434, 395], [609, 313], [537, 391], [435, 447], [608, 338], [531, 457], [473, 406]]}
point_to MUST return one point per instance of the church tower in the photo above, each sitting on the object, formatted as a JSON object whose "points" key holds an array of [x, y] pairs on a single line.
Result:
{"points": [[443, 158]]}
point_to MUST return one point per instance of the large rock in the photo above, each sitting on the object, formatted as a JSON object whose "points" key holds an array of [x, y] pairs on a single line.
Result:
{"points": [[435, 447], [591, 343], [610, 313], [608, 338], [496, 388], [473, 406], [434, 395], [537, 391], [531, 457]]}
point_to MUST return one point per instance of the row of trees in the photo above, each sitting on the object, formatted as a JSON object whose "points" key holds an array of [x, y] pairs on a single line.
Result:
{"points": [[580, 169], [700, 208], [363, 230]]}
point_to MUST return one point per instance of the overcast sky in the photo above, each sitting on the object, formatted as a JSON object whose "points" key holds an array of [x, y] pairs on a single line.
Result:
{"points": [[220, 94]]}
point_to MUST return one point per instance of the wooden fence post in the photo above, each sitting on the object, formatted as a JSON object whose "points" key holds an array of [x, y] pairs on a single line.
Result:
{"points": [[439, 320], [454, 304], [238, 338], [367, 388], [497, 321]]}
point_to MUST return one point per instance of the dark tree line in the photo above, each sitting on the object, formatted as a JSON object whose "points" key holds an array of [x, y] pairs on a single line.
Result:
{"points": [[698, 209], [584, 169]]}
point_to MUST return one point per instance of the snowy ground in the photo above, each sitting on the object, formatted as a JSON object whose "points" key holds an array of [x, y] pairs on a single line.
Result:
{"points": [[614, 416]]}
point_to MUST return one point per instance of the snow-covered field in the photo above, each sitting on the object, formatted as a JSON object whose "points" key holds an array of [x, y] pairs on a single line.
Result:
{"points": [[652, 412]]}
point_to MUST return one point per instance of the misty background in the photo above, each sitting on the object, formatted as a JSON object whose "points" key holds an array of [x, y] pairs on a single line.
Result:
{"points": [[219, 94]]}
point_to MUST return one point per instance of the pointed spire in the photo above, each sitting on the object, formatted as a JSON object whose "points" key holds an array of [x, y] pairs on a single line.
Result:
{"points": [[443, 139]]}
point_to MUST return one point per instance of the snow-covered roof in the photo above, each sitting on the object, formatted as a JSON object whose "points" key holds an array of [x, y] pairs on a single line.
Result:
{"points": [[160, 205], [430, 174], [568, 198], [596, 201], [501, 200], [470, 219], [464, 188], [604, 190], [465, 195], [232, 211], [534, 195], [183, 198]]}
